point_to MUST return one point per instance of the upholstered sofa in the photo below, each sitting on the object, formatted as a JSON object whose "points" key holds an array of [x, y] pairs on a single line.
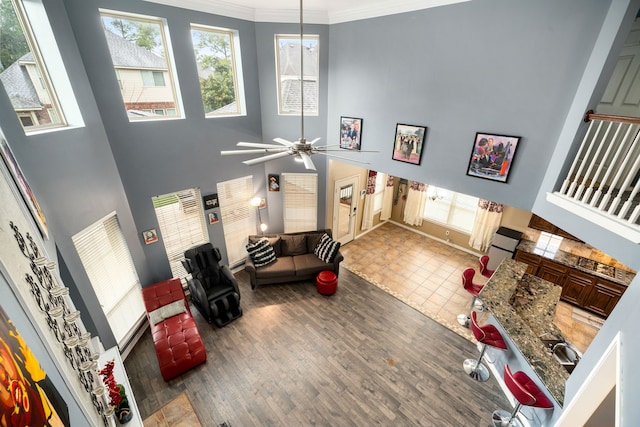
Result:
{"points": [[176, 339], [295, 258]]}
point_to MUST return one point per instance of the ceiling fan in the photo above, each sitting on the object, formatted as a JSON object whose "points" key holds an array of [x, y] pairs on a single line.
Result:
{"points": [[301, 149]]}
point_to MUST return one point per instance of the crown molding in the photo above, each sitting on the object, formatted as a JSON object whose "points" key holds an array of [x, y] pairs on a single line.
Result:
{"points": [[329, 15]]}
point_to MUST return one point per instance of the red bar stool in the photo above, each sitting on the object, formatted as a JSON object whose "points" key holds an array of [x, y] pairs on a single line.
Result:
{"points": [[487, 335], [484, 261], [474, 289], [526, 393]]}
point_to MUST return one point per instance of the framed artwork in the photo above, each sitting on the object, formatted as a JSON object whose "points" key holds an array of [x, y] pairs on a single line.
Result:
{"points": [[213, 218], [492, 156], [150, 236], [274, 182], [27, 195], [350, 133], [409, 143], [29, 396], [210, 201]]}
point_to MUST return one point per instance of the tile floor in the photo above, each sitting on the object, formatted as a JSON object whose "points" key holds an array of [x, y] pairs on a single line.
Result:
{"points": [[426, 274], [177, 413]]}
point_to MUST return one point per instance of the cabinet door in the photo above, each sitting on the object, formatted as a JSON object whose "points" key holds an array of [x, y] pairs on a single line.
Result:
{"points": [[542, 224], [577, 287], [604, 296], [552, 272], [532, 260]]}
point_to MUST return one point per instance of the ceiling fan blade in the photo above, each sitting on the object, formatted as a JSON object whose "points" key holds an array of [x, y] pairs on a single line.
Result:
{"points": [[341, 157], [284, 142], [256, 151], [308, 163], [266, 158], [257, 145], [314, 141]]}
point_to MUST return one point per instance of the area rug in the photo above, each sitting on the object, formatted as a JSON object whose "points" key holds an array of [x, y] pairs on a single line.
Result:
{"points": [[453, 326], [177, 413]]}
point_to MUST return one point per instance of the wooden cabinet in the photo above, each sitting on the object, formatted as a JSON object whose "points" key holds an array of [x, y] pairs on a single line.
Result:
{"points": [[603, 296], [576, 287], [552, 272], [543, 225], [582, 289], [533, 261]]}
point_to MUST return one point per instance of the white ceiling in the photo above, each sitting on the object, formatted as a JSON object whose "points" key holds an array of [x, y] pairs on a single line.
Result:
{"points": [[315, 11]]}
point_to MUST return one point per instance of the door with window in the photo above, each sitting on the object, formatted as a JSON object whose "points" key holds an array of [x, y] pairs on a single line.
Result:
{"points": [[345, 204]]}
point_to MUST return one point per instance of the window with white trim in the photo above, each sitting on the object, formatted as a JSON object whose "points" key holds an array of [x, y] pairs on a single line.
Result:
{"points": [[238, 216], [31, 68], [217, 52], [182, 226], [381, 182], [455, 210], [140, 51], [288, 73], [300, 199], [106, 258]]}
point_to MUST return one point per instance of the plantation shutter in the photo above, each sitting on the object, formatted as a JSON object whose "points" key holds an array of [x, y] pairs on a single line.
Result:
{"points": [[300, 201], [106, 258], [181, 220], [238, 216]]}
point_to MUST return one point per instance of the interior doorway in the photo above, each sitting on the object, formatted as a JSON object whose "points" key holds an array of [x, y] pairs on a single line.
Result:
{"points": [[345, 204]]}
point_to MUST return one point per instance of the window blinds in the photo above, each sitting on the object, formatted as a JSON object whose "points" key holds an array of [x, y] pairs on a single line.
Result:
{"points": [[181, 220], [238, 216], [106, 258], [300, 201]]}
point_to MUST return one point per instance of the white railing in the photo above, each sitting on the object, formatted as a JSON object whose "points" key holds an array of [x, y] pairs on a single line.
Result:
{"points": [[603, 182]]}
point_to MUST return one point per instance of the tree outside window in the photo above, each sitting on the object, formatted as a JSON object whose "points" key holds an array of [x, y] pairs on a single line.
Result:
{"points": [[215, 58]]}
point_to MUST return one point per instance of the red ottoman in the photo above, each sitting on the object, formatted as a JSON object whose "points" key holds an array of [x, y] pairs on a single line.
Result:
{"points": [[327, 282]]}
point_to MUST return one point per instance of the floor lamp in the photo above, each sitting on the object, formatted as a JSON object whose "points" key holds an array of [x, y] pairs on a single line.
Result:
{"points": [[255, 202]]}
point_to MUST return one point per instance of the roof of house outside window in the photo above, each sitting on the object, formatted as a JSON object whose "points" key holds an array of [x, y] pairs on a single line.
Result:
{"points": [[18, 85], [127, 54]]}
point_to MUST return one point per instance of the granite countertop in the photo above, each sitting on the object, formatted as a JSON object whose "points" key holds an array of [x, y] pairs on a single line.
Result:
{"points": [[524, 305], [570, 260]]}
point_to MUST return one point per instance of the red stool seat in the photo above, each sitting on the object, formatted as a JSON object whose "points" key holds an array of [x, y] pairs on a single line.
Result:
{"points": [[327, 282], [487, 335], [526, 393], [484, 262]]}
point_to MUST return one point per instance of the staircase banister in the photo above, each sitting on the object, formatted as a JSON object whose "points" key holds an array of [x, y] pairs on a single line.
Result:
{"points": [[592, 115]]}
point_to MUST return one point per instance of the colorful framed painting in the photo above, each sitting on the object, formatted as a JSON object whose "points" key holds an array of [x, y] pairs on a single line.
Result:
{"points": [[409, 143], [22, 184], [29, 397], [492, 156], [150, 236], [350, 133]]}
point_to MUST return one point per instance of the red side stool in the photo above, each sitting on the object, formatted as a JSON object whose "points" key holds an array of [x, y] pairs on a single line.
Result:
{"points": [[474, 289], [526, 393], [487, 335], [327, 282]]}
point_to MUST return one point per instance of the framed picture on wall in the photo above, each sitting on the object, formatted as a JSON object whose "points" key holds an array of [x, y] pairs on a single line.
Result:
{"points": [[23, 186], [350, 133], [409, 143], [274, 182], [492, 156]]}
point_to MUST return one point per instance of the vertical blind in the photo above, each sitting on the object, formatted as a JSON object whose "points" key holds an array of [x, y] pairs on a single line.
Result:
{"points": [[238, 216], [181, 220], [300, 197], [106, 258]]}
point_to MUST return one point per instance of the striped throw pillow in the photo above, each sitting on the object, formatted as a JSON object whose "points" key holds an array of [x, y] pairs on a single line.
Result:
{"points": [[261, 252], [327, 249]]}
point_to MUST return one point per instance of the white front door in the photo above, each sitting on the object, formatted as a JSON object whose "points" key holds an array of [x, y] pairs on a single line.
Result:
{"points": [[345, 203]]}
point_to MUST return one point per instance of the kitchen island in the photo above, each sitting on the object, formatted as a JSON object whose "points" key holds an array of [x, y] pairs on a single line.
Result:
{"points": [[522, 307]]}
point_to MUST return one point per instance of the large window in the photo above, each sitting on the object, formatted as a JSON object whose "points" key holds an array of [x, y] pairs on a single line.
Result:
{"points": [[288, 73], [106, 259], [181, 220], [143, 65], [300, 201], [217, 52], [455, 210], [23, 70], [238, 216]]}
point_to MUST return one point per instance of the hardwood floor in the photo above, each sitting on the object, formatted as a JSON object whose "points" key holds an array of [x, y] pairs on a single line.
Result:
{"points": [[296, 358]]}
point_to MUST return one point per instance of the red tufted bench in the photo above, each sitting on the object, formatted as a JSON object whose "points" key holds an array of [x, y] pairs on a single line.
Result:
{"points": [[176, 339]]}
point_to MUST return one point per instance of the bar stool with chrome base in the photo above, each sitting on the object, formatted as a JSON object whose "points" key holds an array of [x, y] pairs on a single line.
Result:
{"points": [[484, 262], [487, 335], [474, 289], [526, 392]]}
